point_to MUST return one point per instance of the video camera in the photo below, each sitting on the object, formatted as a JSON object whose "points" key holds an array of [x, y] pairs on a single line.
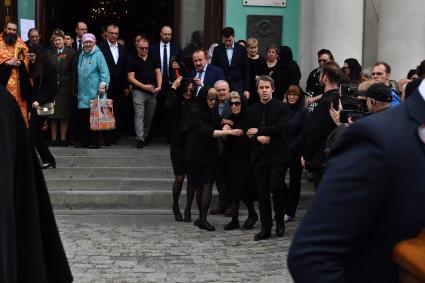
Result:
{"points": [[351, 104]]}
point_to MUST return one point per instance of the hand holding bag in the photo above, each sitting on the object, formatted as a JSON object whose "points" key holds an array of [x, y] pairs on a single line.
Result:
{"points": [[47, 109], [102, 114]]}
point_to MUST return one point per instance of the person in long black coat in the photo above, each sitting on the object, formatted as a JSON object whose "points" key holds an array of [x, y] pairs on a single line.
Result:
{"points": [[178, 103], [30, 246], [43, 75], [290, 71], [299, 123], [236, 166], [202, 150]]}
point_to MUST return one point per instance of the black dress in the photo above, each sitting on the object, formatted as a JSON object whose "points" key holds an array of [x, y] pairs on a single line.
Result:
{"points": [[236, 152], [201, 146], [275, 73], [179, 111], [257, 67]]}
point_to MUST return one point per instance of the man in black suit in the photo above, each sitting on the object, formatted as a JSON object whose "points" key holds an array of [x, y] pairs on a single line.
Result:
{"points": [[371, 197], [314, 156], [268, 122], [117, 59], [80, 30], [233, 60], [204, 73], [170, 57]]}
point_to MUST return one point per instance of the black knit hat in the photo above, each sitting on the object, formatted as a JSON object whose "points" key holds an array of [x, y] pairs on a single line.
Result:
{"points": [[380, 92]]}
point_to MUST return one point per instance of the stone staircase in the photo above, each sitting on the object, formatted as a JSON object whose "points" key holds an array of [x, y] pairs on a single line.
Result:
{"points": [[118, 178]]}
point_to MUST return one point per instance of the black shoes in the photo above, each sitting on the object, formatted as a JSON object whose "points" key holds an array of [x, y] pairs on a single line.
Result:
{"points": [[140, 144], [196, 223], [263, 235], [187, 215], [48, 165], [205, 225], [232, 225], [280, 228], [250, 222], [177, 214]]}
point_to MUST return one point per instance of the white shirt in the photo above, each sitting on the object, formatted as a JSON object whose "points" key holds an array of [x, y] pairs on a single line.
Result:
{"points": [[114, 51], [229, 51], [59, 51], [201, 77], [161, 53], [422, 89], [78, 41]]}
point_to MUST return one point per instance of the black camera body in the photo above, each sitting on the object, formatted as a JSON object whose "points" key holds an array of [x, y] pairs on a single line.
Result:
{"points": [[353, 106]]}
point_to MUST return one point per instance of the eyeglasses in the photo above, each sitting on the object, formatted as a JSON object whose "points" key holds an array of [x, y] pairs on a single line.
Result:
{"points": [[236, 103], [143, 48], [190, 90], [292, 94], [212, 99], [377, 74], [323, 61]]}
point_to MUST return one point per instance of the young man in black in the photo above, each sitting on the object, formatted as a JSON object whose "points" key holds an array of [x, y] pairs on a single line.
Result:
{"points": [[268, 122]]}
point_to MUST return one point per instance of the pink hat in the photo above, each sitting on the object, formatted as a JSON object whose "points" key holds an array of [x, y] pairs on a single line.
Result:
{"points": [[88, 37]]}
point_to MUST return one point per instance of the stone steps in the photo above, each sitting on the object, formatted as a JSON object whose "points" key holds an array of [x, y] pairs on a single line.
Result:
{"points": [[118, 178]]}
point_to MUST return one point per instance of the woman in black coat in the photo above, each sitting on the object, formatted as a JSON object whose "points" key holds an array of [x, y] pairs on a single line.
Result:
{"points": [[237, 169], [43, 74], [202, 150], [257, 67], [178, 103], [299, 123]]}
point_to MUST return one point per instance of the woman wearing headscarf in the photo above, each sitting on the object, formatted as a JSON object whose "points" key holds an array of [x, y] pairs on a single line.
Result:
{"points": [[93, 80], [202, 150]]}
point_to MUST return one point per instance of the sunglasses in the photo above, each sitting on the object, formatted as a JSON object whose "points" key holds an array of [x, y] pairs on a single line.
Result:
{"points": [[212, 99], [236, 103], [143, 48], [322, 61]]}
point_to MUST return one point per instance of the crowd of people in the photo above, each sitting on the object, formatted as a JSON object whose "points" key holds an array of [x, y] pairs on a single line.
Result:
{"points": [[232, 117]]}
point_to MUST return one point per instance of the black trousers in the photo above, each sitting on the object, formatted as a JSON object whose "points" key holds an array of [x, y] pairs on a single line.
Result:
{"points": [[269, 179], [88, 137], [293, 191], [161, 121], [35, 125], [317, 176]]}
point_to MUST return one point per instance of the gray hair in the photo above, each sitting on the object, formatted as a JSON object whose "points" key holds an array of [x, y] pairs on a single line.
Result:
{"points": [[221, 81]]}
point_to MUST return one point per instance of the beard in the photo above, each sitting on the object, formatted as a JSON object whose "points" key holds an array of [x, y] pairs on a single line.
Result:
{"points": [[10, 39]]}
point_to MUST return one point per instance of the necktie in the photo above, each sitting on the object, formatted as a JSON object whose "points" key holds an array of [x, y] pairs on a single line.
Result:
{"points": [[199, 76], [59, 55], [80, 46], [165, 63]]}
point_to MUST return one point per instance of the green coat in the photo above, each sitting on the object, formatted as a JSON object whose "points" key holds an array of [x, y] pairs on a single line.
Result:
{"points": [[66, 66]]}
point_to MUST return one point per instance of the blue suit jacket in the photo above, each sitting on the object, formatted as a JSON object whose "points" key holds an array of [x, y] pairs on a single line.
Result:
{"points": [[212, 74], [371, 197], [237, 73]]}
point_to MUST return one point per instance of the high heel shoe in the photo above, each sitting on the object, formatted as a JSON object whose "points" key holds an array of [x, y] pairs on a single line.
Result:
{"points": [[177, 214], [187, 215], [48, 165]]}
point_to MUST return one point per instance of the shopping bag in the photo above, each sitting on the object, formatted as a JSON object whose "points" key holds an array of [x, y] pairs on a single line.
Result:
{"points": [[102, 114]]}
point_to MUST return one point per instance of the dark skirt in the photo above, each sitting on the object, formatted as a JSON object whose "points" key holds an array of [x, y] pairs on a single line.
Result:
{"points": [[201, 173], [178, 152]]}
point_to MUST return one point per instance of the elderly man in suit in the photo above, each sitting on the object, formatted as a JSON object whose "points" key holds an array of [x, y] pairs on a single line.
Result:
{"points": [[204, 73], [117, 60], [371, 197], [233, 60]]}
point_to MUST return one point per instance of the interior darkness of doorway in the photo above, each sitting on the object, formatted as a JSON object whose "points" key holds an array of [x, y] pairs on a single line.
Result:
{"points": [[132, 16]]}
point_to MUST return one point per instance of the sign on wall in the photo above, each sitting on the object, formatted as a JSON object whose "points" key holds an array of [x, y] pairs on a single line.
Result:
{"points": [[267, 29], [268, 3]]}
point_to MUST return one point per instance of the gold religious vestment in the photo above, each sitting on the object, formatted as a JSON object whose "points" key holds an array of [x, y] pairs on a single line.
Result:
{"points": [[18, 51]]}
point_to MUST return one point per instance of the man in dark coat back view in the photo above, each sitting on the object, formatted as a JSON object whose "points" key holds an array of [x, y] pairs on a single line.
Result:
{"points": [[291, 73], [371, 197], [30, 246]]}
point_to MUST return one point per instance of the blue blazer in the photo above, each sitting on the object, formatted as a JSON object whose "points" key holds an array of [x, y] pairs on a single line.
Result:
{"points": [[212, 74], [237, 73], [371, 197]]}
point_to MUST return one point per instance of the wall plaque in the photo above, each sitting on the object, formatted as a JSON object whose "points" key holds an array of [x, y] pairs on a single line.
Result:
{"points": [[267, 29], [269, 3]]}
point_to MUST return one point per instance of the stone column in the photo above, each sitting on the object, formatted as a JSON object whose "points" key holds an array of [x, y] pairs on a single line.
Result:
{"points": [[401, 36]]}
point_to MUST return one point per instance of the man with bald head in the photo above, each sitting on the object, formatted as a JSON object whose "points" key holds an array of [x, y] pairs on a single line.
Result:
{"points": [[80, 30], [170, 57]]}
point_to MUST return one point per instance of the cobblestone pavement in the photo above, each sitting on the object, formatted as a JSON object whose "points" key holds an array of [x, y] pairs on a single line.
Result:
{"points": [[155, 248]]}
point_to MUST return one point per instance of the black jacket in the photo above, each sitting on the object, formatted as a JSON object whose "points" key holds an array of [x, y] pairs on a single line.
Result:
{"points": [[45, 86], [237, 74], [321, 126], [276, 126], [313, 84], [299, 124], [371, 197], [118, 71]]}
